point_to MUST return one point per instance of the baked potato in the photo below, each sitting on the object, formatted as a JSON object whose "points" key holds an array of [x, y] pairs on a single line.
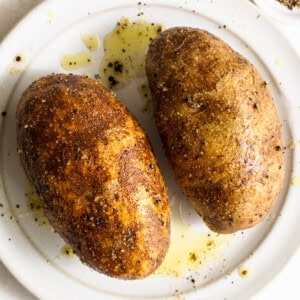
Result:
{"points": [[93, 168], [219, 126]]}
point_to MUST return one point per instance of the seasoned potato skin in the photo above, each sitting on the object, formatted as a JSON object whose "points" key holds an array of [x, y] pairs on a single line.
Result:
{"points": [[219, 127], [92, 166]]}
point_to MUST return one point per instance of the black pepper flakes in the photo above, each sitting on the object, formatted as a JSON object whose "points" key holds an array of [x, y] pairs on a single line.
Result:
{"points": [[85, 217], [278, 148], [89, 197], [118, 67], [4, 113], [100, 221], [112, 81], [157, 201], [18, 58]]}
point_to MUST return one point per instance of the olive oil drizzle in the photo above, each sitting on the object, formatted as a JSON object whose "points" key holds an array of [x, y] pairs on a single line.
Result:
{"points": [[125, 50]]}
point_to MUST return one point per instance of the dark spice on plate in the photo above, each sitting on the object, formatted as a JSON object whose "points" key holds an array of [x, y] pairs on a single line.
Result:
{"points": [[290, 4]]}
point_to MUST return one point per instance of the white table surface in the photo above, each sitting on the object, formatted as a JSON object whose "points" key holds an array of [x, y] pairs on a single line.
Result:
{"points": [[284, 286]]}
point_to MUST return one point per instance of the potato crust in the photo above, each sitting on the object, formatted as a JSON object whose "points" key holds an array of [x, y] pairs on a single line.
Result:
{"points": [[92, 166], [219, 126]]}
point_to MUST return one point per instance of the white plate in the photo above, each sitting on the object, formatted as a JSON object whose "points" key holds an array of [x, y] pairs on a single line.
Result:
{"points": [[32, 252]]}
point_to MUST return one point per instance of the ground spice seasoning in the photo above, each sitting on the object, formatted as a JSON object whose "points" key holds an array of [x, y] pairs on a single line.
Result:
{"points": [[290, 4]]}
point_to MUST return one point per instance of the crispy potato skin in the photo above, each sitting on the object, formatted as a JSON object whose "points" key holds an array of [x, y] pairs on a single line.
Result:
{"points": [[219, 126], [92, 166]]}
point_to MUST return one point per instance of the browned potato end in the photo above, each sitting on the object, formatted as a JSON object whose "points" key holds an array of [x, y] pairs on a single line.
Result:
{"points": [[219, 126], [92, 166]]}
